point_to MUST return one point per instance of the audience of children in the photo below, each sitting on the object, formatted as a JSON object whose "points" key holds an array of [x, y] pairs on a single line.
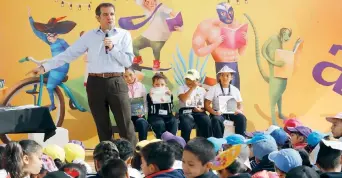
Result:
{"points": [[191, 103]]}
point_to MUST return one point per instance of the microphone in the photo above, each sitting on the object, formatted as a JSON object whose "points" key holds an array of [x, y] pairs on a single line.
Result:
{"points": [[107, 48]]}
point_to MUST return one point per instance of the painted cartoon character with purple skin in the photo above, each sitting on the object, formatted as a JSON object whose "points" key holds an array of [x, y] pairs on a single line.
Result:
{"points": [[49, 34]]}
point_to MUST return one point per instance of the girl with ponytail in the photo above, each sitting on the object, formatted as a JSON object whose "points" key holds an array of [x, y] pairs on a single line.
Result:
{"points": [[23, 158]]}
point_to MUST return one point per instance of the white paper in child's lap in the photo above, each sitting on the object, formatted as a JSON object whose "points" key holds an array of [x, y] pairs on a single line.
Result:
{"points": [[159, 96], [228, 104]]}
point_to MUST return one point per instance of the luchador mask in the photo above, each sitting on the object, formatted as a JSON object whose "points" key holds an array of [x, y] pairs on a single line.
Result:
{"points": [[225, 12]]}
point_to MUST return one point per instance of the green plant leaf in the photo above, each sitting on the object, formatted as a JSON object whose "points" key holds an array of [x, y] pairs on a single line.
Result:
{"points": [[203, 77], [181, 58], [197, 63], [204, 65], [177, 77], [191, 59], [177, 70]]}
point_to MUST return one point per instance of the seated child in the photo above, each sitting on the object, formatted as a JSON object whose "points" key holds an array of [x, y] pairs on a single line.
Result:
{"points": [[313, 139], [157, 160], [137, 90], [228, 165], [193, 112], [329, 158], [285, 160], [299, 136], [223, 90], [126, 153], [136, 159], [160, 116], [114, 168], [197, 157], [302, 172], [262, 145]]}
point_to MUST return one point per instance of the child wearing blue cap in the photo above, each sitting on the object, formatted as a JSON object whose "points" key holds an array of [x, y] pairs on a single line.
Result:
{"points": [[285, 160], [262, 146], [313, 139]]}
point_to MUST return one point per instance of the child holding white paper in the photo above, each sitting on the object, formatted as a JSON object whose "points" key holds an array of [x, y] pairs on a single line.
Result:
{"points": [[137, 90], [191, 112], [223, 89], [160, 115]]}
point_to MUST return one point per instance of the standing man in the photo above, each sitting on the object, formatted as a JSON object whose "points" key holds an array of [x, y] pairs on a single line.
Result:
{"points": [[109, 51]]}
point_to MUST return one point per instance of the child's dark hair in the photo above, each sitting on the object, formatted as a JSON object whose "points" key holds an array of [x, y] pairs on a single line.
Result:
{"points": [[59, 163], [125, 148], [2, 150], [136, 161], [202, 148], [300, 135], [14, 153], [105, 151], [114, 168], [159, 76], [159, 154], [327, 157], [177, 148], [305, 157], [287, 144], [236, 167], [75, 167]]}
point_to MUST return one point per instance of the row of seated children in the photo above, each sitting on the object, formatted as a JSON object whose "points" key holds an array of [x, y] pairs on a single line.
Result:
{"points": [[265, 154], [161, 118]]}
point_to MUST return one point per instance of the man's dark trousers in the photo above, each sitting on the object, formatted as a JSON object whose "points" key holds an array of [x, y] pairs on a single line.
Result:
{"points": [[105, 93]]}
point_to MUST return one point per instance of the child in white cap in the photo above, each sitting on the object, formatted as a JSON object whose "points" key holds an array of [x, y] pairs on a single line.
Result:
{"points": [[212, 104], [191, 102]]}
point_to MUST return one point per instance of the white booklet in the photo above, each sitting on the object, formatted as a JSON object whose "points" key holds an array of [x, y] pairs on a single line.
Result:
{"points": [[228, 104], [159, 96], [196, 101]]}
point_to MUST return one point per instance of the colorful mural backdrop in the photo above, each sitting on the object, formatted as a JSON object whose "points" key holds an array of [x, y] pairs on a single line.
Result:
{"points": [[286, 54]]}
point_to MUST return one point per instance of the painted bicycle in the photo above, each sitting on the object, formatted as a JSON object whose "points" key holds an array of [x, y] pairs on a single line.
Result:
{"points": [[20, 93]]}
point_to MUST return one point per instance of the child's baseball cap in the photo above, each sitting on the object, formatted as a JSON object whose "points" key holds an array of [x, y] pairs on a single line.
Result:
{"points": [[192, 74], [73, 151], [263, 144], [143, 143], [217, 142], [291, 123], [77, 142], [305, 131], [226, 158], [169, 136], [280, 136], [235, 139], [55, 152], [315, 137], [265, 174], [337, 116], [286, 159]]}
